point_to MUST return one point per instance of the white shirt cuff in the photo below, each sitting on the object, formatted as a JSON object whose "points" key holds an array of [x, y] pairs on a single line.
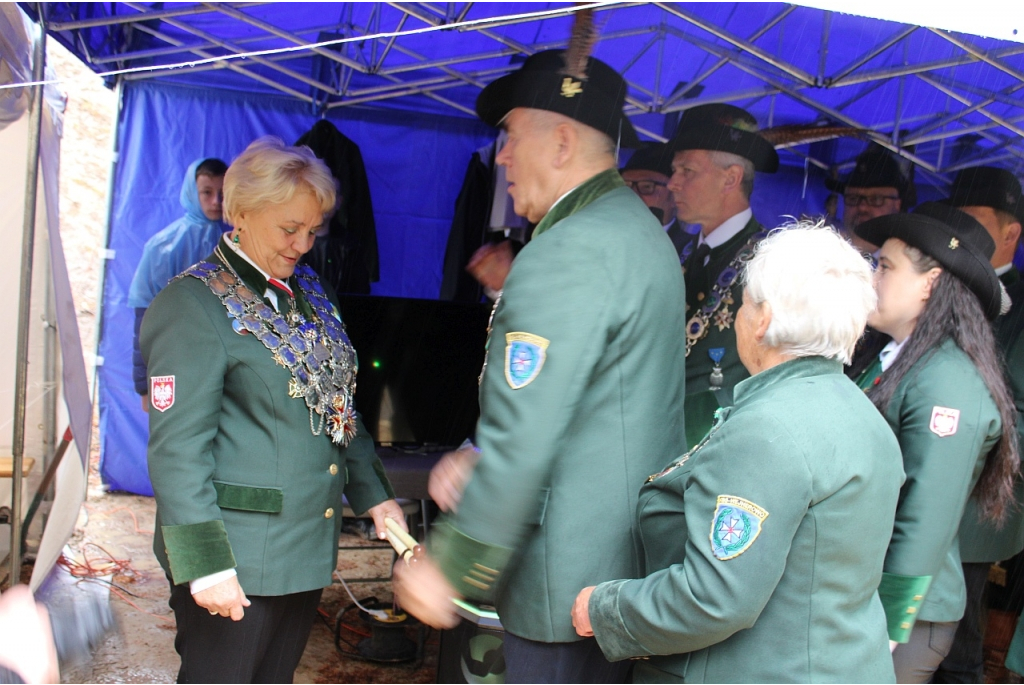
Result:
{"points": [[207, 582]]}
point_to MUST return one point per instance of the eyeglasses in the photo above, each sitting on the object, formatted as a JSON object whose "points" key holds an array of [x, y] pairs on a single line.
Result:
{"points": [[645, 188], [854, 200]]}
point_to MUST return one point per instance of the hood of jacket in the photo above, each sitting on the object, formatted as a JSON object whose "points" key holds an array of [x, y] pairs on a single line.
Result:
{"points": [[189, 196]]}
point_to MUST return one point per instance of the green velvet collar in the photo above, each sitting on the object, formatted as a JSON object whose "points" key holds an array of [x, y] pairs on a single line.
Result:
{"points": [[579, 197], [256, 281], [801, 367]]}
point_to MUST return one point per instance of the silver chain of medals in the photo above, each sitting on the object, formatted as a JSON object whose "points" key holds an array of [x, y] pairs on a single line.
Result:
{"points": [[487, 344], [318, 353], [720, 416], [699, 324]]}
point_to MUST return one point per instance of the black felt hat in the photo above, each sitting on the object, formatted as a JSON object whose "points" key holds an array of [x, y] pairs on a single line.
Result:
{"points": [[541, 83], [954, 239], [986, 186], [725, 128], [876, 168], [653, 157]]}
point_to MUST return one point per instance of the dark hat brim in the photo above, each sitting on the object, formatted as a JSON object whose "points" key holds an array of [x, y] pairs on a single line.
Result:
{"points": [[542, 90], [934, 238], [722, 138]]}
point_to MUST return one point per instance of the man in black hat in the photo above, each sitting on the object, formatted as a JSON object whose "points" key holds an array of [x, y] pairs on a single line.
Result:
{"points": [[993, 197], [582, 386], [716, 151], [876, 187], [647, 173]]}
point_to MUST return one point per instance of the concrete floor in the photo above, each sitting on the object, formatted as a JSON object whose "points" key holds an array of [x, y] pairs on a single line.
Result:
{"points": [[143, 652]]}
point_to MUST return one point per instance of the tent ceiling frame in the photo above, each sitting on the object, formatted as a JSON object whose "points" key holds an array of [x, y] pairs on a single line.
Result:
{"points": [[184, 48], [666, 107], [142, 16], [778, 75], [229, 65], [231, 47], [746, 46]]}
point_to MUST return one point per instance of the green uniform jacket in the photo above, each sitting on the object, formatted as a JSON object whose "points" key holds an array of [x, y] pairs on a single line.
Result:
{"points": [[549, 508], [701, 402], [239, 478], [946, 423], [980, 540], [796, 602]]}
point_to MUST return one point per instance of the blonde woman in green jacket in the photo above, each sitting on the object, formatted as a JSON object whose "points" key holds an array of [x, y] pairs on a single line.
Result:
{"points": [[940, 386], [763, 545]]}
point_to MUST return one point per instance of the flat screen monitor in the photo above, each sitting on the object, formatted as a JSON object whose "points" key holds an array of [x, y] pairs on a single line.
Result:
{"points": [[419, 361]]}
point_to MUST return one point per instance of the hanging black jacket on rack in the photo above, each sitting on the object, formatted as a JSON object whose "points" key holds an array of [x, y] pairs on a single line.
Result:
{"points": [[348, 258], [469, 229]]}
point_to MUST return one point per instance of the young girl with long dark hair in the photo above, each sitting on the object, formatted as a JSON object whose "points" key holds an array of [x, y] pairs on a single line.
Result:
{"points": [[941, 387]]}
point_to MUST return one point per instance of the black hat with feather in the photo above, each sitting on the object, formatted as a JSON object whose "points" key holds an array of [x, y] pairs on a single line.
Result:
{"points": [[568, 82]]}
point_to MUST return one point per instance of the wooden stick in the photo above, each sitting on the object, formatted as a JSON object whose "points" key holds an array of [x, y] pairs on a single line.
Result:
{"points": [[408, 540], [400, 548]]}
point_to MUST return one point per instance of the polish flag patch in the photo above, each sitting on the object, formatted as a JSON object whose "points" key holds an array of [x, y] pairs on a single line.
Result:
{"points": [[944, 421], [161, 392]]}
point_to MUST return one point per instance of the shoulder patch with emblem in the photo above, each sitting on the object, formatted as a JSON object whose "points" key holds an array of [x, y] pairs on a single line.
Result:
{"points": [[735, 526], [944, 421], [524, 357], [161, 392]]}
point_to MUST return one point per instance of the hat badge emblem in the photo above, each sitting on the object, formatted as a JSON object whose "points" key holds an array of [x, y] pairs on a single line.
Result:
{"points": [[570, 87], [953, 243]]}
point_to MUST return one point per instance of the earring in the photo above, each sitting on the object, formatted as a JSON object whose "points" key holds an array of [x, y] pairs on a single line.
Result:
{"points": [[234, 238]]}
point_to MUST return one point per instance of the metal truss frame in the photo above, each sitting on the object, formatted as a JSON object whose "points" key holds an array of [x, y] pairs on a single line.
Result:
{"points": [[386, 56]]}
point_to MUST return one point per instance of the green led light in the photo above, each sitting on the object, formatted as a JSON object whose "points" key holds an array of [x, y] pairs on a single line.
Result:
{"points": [[376, 364]]}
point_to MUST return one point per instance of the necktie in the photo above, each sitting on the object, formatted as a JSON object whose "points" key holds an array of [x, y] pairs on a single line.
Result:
{"points": [[695, 271], [285, 298], [280, 287]]}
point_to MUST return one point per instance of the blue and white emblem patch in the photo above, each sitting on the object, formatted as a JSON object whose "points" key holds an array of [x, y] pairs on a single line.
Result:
{"points": [[524, 357], [736, 524]]}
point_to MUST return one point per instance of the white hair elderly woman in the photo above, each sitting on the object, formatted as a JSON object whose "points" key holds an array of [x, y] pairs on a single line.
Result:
{"points": [[253, 430], [764, 543]]}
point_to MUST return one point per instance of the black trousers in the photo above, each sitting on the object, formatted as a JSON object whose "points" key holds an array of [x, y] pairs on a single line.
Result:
{"points": [[264, 647], [527, 661], [965, 662]]}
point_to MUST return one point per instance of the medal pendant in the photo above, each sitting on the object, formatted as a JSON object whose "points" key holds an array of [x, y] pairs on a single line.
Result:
{"points": [[716, 378]]}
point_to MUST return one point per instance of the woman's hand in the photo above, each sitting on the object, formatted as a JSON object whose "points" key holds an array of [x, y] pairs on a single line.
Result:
{"points": [[449, 477], [423, 591], [581, 613], [388, 509], [225, 598]]}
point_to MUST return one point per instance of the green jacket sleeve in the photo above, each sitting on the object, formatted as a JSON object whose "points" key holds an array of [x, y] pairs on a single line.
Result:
{"points": [[179, 340], [557, 291], [711, 595], [940, 468], [366, 483]]}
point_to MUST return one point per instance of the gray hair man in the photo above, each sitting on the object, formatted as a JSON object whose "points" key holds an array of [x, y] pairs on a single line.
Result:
{"points": [[717, 150]]}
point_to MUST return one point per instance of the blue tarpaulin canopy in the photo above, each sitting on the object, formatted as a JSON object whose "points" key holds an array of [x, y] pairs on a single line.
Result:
{"points": [[400, 79]]}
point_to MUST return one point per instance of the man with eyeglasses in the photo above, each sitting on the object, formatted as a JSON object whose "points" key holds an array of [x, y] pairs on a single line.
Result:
{"points": [[647, 174], [876, 187]]}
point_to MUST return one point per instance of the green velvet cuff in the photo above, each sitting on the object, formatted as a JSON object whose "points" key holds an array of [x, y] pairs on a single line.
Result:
{"points": [[249, 498], [902, 597], [611, 632], [471, 566], [196, 550]]}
